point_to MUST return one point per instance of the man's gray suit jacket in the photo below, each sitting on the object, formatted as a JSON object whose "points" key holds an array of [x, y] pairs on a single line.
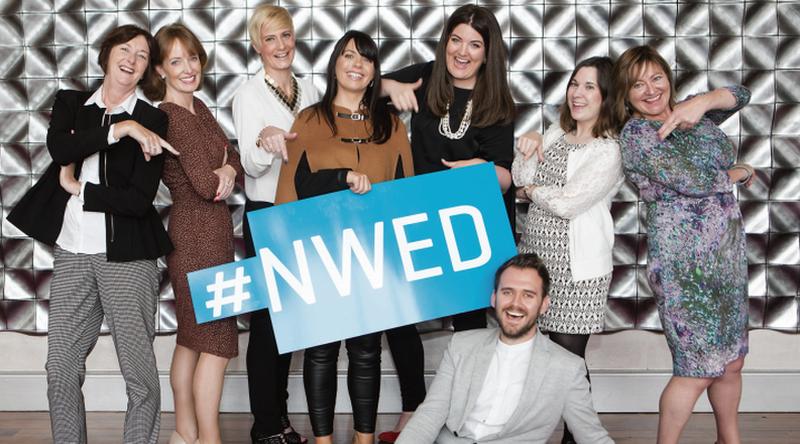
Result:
{"points": [[555, 387]]}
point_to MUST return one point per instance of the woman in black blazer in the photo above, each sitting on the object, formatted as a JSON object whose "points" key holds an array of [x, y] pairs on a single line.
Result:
{"points": [[94, 206]]}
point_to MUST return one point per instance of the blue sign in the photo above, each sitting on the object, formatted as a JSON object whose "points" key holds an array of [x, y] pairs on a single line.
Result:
{"points": [[343, 265]]}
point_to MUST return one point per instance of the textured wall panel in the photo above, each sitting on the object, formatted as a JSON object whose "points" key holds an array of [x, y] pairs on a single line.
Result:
{"points": [[50, 44]]}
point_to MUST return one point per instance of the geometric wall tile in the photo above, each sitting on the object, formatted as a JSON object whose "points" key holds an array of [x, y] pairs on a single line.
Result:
{"points": [[50, 44], [692, 19]]}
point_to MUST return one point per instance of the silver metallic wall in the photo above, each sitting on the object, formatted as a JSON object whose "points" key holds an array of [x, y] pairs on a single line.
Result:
{"points": [[50, 44]]}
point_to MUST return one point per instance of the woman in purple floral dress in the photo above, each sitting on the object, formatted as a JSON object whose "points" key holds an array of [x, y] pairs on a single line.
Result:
{"points": [[684, 167]]}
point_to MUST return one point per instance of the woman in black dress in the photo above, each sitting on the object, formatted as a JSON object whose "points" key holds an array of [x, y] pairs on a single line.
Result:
{"points": [[462, 114]]}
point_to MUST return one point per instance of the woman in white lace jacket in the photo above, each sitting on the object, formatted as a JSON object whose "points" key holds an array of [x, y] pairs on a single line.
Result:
{"points": [[570, 184]]}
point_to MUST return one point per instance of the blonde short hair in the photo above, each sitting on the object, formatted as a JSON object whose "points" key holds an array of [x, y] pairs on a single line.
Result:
{"points": [[262, 14]]}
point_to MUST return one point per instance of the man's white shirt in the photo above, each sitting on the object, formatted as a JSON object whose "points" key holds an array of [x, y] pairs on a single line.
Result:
{"points": [[501, 391]]}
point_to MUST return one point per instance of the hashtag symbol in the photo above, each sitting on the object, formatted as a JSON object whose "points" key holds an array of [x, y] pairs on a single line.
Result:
{"points": [[220, 284]]}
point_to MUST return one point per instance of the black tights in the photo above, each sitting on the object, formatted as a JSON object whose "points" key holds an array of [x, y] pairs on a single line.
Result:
{"points": [[577, 345], [409, 360], [363, 382], [267, 370]]}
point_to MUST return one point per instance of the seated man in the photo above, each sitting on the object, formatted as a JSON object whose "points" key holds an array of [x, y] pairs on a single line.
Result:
{"points": [[508, 384]]}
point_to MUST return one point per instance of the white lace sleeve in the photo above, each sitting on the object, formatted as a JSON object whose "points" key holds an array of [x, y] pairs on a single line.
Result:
{"points": [[523, 170], [595, 178]]}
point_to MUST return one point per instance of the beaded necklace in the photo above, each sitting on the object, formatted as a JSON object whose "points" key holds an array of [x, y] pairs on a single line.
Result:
{"points": [[444, 123]]}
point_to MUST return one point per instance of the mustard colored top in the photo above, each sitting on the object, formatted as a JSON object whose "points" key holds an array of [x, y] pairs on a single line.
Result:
{"points": [[319, 160]]}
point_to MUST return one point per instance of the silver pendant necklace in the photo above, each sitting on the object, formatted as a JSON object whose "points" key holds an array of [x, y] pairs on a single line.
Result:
{"points": [[444, 123]]}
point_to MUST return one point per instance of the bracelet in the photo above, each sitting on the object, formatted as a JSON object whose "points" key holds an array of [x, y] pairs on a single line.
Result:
{"points": [[748, 169]]}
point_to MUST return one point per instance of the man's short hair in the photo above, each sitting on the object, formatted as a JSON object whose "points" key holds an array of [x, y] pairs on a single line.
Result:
{"points": [[523, 261]]}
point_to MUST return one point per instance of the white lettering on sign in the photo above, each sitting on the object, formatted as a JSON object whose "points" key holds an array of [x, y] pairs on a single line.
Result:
{"points": [[351, 246], [303, 286], [445, 216], [221, 284], [407, 247]]}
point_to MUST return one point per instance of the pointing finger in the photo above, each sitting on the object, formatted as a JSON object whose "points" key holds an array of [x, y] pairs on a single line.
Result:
{"points": [[168, 147]]}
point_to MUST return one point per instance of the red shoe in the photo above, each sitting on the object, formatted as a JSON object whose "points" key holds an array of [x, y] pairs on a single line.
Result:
{"points": [[388, 437]]}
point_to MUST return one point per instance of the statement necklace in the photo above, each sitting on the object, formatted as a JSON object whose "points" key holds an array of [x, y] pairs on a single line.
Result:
{"points": [[444, 123], [292, 105]]}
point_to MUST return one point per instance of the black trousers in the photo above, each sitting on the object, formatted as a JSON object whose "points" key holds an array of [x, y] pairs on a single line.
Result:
{"points": [[408, 354], [577, 345], [267, 370], [363, 382]]}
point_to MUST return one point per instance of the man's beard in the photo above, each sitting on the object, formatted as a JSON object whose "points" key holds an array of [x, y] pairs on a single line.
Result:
{"points": [[521, 331]]}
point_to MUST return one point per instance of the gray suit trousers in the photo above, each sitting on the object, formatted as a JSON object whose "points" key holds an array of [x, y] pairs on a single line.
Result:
{"points": [[84, 288]]}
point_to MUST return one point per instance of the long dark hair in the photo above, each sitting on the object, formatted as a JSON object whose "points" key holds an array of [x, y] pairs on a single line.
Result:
{"points": [[381, 118], [605, 125], [491, 99], [627, 69]]}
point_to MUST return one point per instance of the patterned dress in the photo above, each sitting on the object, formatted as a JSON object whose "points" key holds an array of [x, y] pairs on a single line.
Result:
{"points": [[576, 307], [200, 229], [695, 238]]}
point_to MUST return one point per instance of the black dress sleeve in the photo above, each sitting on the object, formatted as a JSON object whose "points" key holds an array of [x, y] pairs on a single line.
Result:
{"points": [[411, 73], [310, 184], [496, 144]]}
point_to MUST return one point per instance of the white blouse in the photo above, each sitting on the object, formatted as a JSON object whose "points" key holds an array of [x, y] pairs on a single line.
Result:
{"points": [[255, 107]]}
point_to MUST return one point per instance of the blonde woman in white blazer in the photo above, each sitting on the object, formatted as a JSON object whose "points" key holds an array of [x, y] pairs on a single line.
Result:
{"points": [[570, 184]]}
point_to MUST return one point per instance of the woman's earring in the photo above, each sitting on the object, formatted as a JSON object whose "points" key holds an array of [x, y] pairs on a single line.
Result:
{"points": [[371, 82], [163, 77]]}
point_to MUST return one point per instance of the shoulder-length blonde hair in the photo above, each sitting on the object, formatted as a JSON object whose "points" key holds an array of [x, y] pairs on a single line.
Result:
{"points": [[627, 69], [604, 126], [491, 98]]}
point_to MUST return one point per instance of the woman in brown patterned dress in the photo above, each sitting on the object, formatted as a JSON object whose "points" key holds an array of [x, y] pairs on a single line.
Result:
{"points": [[200, 180]]}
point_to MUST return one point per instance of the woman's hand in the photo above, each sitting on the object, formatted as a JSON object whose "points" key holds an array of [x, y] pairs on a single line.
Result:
{"points": [[358, 182], [530, 143], [522, 194], [227, 180], [684, 116], [273, 140], [401, 94], [66, 178], [152, 144], [687, 113], [462, 163], [742, 173]]}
